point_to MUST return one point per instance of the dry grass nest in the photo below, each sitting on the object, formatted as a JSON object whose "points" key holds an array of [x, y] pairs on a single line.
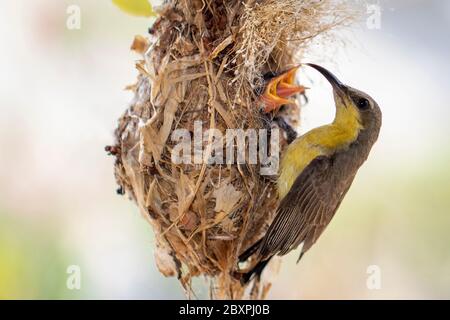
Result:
{"points": [[204, 60]]}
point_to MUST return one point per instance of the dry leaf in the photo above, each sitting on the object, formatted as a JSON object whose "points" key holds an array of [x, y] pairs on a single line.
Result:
{"points": [[226, 198], [189, 221], [185, 191], [165, 262], [225, 43], [152, 143], [140, 44]]}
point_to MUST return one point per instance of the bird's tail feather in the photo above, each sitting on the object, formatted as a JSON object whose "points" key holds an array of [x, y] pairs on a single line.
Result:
{"points": [[247, 253], [255, 272]]}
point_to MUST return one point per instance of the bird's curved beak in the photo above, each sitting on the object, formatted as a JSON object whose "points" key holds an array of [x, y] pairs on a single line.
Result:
{"points": [[337, 85], [279, 89]]}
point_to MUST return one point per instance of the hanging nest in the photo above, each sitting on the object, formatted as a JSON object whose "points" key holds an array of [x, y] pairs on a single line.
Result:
{"points": [[204, 61]]}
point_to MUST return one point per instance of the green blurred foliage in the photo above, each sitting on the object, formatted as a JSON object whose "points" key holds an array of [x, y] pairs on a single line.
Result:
{"points": [[33, 264], [141, 8]]}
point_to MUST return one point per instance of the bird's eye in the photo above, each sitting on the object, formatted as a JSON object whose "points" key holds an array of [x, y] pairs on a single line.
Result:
{"points": [[362, 103]]}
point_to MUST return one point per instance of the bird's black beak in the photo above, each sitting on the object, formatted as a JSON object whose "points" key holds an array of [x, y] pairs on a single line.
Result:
{"points": [[337, 85]]}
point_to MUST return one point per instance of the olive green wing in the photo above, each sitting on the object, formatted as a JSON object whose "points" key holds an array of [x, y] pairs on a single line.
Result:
{"points": [[309, 206]]}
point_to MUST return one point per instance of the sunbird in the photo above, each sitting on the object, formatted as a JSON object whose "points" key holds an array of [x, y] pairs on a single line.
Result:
{"points": [[316, 171]]}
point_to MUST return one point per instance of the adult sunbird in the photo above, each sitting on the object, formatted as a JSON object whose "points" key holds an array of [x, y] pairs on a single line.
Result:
{"points": [[316, 171]]}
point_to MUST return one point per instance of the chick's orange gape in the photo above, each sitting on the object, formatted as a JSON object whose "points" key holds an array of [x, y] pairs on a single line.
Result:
{"points": [[279, 89]]}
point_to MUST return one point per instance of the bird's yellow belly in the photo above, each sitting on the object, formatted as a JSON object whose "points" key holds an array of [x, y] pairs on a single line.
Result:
{"points": [[322, 141], [294, 162]]}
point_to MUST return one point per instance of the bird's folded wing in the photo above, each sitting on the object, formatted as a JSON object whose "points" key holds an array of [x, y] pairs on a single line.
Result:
{"points": [[306, 210]]}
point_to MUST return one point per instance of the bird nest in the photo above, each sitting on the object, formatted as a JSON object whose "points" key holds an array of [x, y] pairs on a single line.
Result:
{"points": [[201, 68]]}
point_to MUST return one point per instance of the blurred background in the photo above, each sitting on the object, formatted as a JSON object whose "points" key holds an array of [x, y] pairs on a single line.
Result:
{"points": [[61, 92]]}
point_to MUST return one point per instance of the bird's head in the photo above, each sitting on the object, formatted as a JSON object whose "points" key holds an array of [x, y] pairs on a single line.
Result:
{"points": [[352, 103]]}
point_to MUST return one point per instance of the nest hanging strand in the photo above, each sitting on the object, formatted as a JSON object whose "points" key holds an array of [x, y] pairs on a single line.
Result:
{"points": [[202, 62]]}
